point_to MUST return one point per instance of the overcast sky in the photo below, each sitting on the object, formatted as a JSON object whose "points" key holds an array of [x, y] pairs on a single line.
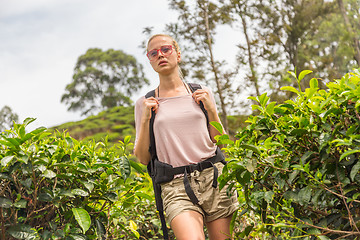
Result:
{"points": [[40, 41]]}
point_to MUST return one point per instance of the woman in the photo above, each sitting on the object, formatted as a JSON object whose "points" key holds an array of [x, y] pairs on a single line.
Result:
{"points": [[182, 138]]}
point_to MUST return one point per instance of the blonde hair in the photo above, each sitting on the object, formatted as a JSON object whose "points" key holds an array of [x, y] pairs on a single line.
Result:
{"points": [[174, 43]]}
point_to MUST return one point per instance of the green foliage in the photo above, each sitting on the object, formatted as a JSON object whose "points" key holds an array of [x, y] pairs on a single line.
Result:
{"points": [[297, 163], [102, 80], [113, 124], [56, 187]]}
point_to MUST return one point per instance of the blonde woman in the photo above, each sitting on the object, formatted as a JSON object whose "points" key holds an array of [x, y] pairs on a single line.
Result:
{"points": [[184, 141]]}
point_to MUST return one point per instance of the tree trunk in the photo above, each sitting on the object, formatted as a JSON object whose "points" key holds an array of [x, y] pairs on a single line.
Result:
{"points": [[355, 39], [213, 67], [253, 77]]}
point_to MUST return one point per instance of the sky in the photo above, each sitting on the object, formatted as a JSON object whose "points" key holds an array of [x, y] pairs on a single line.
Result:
{"points": [[40, 41]]}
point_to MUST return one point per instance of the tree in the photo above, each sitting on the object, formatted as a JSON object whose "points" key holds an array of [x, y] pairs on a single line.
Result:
{"points": [[352, 6], [196, 29], [102, 80], [287, 28], [7, 118]]}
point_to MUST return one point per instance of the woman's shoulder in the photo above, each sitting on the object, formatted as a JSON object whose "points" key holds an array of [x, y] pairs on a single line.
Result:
{"points": [[139, 101]]}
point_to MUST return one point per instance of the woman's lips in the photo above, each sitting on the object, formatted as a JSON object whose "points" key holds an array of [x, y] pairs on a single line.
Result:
{"points": [[162, 63]]}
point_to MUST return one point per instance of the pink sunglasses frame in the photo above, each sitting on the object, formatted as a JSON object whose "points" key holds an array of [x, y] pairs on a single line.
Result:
{"points": [[157, 52]]}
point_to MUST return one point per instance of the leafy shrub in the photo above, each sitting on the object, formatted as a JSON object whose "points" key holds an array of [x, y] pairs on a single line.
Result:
{"points": [[55, 187], [297, 163]]}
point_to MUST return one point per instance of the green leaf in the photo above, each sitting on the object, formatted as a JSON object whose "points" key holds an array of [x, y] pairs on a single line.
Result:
{"points": [[6, 160], [83, 218], [21, 203], [88, 185], [291, 89], [100, 229], [250, 147], [217, 126], [5, 202], [355, 170], [253, 98], [304, 73], [306, 156], [124, 166], [263, 99], [293, 74], [133, 228], [49, 174], [270, 108], [314, 83], [347, 153], [80, 192], [251, 165], [136, 166], [268, 196], [127, 139], [144, 195], [27, 121], [22, 231]]}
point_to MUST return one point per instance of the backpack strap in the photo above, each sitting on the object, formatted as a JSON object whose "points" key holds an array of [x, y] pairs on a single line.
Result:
{"points": [[151, 170], [193, 88]]}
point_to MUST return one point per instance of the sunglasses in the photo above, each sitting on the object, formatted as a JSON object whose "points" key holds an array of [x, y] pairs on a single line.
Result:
{"points": [[165, 50]]}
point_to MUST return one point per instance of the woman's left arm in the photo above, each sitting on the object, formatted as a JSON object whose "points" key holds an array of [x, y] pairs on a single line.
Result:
{"points": [[207, 99]]}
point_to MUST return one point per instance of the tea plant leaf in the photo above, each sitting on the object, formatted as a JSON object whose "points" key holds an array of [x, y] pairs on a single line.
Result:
{"points": [[293, 74], [251, 147], [304, 73], [355, 170], [347, 153], [124, 166], [5, 202], [100, 229], [217, 126], [22, 231], [80, 192], [133, 228], [83, 218], [136, 166], [49, 174], [263, 99], [27, 121], [127, 139], [291, 89], [21, 204], [6, 160]]}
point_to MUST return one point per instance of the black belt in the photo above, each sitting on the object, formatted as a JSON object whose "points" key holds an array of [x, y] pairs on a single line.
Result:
{"points": [[219, 157]]}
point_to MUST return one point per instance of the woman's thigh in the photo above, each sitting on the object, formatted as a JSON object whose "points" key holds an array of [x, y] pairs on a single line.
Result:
{"points": [[188, 225], [219, 229]]}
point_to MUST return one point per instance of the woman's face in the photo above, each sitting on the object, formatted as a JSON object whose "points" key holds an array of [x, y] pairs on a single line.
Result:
{"points": [[164, 64]]}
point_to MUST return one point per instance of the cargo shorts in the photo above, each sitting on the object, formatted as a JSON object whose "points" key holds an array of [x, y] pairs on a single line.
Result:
{"points": [[213, 203]]}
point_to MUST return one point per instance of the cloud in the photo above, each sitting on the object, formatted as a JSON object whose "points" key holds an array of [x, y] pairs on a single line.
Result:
{"points": [[42, 39]]}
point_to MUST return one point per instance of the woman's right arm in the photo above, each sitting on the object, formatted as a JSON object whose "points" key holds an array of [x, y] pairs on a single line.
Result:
{"points": [[141, 150]]}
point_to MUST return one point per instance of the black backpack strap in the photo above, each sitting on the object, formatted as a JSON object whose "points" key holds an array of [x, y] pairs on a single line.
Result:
{"points": [[151, 170], [152, 147], [193, 88]]}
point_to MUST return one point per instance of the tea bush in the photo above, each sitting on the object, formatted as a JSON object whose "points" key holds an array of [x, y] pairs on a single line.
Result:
{"points": [[55, 187], [297, 163]]}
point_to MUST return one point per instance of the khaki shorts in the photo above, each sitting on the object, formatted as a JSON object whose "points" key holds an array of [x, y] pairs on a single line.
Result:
{"points": [[213, 204]]}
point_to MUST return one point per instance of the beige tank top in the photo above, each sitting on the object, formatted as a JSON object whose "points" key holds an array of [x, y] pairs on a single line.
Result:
{"points": [[181, 134]]}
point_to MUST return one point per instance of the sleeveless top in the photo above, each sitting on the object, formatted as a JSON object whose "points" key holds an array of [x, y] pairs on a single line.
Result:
{"points": [[181, 134]]}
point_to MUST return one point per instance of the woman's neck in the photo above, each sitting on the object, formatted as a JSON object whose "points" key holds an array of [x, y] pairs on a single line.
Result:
{"points": [[171, 86]]}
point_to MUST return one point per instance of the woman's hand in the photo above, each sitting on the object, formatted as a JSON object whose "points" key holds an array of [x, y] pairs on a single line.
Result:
{"points": [[149, 104], [203, 95]]}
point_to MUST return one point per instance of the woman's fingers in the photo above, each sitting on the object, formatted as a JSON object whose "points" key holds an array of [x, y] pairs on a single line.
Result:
{"points": [[203, 96], [150, 104]]}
